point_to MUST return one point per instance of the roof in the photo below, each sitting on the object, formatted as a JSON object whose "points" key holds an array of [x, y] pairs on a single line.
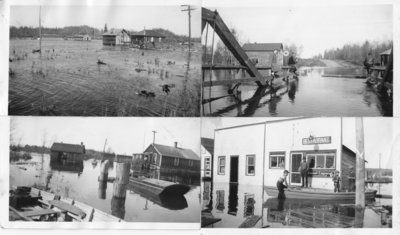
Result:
{"points": [[176, 152], [387, 52], [148, 33], [344, 147], [70, 148], [208, 144], [262, 46]]}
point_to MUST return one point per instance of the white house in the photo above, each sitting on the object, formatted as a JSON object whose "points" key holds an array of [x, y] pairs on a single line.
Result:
{"points": [[257, 154]]}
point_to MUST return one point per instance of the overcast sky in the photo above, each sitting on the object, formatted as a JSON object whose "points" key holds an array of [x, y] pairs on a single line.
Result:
{"points": [[127, 17], [315, 27], [379, 134], [124, 135]]}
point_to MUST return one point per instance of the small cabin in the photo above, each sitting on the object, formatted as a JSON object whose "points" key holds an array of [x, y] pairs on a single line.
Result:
{"points": [[261, 157], [265, 54], [167, 159], [207, 151], [116, 37], [67, 152], [385, 57], [146, 37]]}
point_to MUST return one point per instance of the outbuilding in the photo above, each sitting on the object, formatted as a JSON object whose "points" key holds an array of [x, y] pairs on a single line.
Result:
{"points": [[257, 154], [116, 37], [265, 54]]}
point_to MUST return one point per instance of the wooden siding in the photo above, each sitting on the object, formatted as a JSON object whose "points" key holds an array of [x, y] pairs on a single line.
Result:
{"points": [[347, 170], [169, 162]]}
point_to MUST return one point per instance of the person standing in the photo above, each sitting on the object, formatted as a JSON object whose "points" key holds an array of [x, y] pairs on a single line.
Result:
{"points": [[281, 184], [303, 168], [336, 181], [292, 63], [369, 62]]}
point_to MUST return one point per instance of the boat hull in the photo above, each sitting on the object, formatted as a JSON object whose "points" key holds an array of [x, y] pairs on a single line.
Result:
{"points": [[318, 194]]}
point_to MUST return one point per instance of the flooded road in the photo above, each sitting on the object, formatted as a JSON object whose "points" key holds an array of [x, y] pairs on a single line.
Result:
{"points": [[234, 204], [80, 182], [68, 81], [311, 95]]}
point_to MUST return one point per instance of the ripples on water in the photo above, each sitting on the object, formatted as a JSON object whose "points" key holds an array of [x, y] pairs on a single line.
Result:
{"points": [[80, 182], [311, 95]]}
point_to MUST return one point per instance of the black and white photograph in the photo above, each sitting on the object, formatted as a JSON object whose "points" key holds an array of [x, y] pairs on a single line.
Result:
{"points": [[104, 170], [112, 60], [297, 60], [298, 173]]}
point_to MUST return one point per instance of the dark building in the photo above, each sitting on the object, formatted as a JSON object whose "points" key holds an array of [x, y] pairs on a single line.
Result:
{"points": [[146, 37], [67, 157], [265, 54]]}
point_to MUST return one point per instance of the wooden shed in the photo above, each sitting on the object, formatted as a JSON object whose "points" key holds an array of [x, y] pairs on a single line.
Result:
{"points": [[67, 157], [116, 37], [146, 37], [265, 54]]}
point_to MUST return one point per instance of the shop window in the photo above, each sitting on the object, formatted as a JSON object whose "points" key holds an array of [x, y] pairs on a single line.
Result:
{"points": [[321, 161], [221, 165], [250, 165], [277, 161], [330, 162]]}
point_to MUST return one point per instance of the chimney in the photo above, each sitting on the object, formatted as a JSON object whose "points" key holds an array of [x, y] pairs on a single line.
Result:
{"points": [[176, 144]]}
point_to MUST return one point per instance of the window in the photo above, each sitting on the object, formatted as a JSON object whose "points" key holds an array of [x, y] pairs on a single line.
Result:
{"points": [[221, 165], [176, 162], [190, 162], [277, 160], [250, 165], [321, 161]]}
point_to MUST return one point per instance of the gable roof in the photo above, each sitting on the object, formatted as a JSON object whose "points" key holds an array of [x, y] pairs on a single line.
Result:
{"points": [[176, 152], [208, 144], [148, 33], [69, 148], [387, 52], [262, 46]]}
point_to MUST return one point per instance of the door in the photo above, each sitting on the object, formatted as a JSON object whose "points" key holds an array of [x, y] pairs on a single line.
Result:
{"points": [[234, 169], [295, 177]]}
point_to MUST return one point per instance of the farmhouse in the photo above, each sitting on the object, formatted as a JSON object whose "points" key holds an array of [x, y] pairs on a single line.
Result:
{"points": [[265, 54], [116, 37], [273, 146], [171, 159], [207, 150], [146, 37]]}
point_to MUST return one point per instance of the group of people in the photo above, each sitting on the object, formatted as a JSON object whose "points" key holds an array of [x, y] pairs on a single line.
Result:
{"points": [[304, 169]]}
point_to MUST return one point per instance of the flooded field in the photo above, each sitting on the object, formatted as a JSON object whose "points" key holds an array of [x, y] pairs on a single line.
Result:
{"points": [[67, 181], [311, 95], [68, 81], [233, 204]]}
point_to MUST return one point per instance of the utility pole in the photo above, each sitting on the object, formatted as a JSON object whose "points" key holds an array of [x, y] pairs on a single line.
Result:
{"points": [[360, 164], [40, 31], [189, 9]]}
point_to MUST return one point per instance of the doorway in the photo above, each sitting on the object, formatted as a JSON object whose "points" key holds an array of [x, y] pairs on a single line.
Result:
{"points": [[295, 177], [234, 170]]}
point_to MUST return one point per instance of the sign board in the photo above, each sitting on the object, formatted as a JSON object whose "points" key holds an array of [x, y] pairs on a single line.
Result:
{"points": [[317, 140]]}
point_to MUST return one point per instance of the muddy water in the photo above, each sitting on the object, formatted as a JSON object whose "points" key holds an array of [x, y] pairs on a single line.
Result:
{"points": [[67, 80], [311, 95], [233, 204], [80, 182]]}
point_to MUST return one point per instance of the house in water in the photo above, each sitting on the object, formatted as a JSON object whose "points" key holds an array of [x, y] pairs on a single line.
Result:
{"points": [[273, 146], [146, 38], [265, 54], [67, 157], [116, 37], [207, 151], [385, 57]]}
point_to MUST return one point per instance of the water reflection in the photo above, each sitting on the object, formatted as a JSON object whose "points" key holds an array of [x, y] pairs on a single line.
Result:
{"points": [[60, 164], [235, 203], [343, 96]]}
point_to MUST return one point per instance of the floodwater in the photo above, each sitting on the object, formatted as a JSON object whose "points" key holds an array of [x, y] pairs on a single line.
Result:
{"points": [[233, 204], [311, 95], [68, 81], [80, 182]]}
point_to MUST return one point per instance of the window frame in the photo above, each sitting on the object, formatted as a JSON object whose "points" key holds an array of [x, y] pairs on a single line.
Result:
{"points": [[277, 155], [325, 155], [219, 165], [247, 164]]}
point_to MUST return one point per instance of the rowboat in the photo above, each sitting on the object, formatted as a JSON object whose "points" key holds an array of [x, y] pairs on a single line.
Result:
{"points": [[32, 204], [315, 193], [159, 187]]}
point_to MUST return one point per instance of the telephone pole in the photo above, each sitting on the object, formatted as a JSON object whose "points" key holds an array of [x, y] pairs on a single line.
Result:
{"points": [[189, 9]]}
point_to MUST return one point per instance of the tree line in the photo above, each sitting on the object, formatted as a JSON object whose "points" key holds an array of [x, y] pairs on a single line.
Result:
{"points": [[356, 53]]}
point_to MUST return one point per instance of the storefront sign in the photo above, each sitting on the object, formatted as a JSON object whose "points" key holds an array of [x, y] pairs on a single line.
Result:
{"points": [[317, 140]]}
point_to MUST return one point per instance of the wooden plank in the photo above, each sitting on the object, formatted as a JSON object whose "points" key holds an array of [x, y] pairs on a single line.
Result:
{"points": [[344, 76], [68, 208], [378, 68], [232, 81], [39, 212], [250, 221], [16, 215], [230, 42], [237, 67]]}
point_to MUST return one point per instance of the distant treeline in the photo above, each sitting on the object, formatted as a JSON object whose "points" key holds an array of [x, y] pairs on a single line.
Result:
{"points": [[356, 53], [33, 32]]}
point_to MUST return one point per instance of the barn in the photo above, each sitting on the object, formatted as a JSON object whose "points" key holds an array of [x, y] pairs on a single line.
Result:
{"points": [[273, 146]]}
